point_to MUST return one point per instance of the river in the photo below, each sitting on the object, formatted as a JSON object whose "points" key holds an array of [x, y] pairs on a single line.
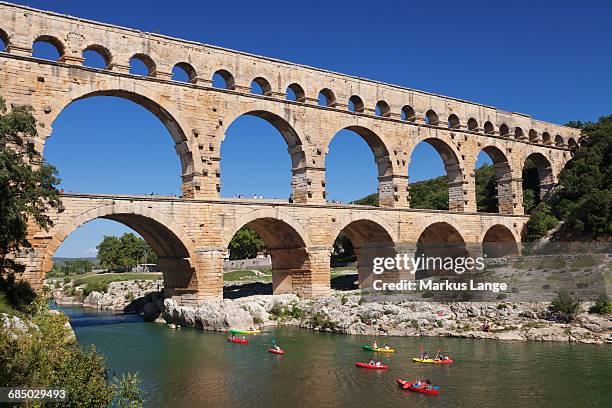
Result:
{"points": [[194, 368]]}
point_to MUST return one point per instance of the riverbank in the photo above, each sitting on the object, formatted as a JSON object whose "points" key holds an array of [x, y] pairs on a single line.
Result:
{"points": [[352, 312], [397, 316]]}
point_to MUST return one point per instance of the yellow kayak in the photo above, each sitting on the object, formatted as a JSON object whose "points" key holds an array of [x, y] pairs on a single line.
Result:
{"points": [[432, 361], [380, 349]]}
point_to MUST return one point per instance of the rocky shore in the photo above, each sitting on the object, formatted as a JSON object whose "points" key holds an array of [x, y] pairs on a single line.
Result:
{"points": [[144, 297], [350, 314]]}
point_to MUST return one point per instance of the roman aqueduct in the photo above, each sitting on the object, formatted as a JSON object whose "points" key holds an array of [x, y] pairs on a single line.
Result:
{"points": [[308, 106]]}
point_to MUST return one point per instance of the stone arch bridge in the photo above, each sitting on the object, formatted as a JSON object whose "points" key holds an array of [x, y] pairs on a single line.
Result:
{"points": [[308, 106]]}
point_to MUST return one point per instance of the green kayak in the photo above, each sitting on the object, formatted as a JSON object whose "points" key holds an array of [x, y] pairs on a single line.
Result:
{"points": [[236, 331], [379, 349]]}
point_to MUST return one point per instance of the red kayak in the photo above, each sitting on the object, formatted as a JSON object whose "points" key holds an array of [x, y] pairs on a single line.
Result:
{"points": [[407, 385], [372, 366], [275, 351], [237, 340]]}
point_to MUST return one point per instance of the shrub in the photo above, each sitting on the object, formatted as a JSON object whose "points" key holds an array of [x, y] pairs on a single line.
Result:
{"points": [[322, 322], [602, 305], [540, 222], [428, 294], [17, 294], [96, 286], [46, 355], [565, 305]]}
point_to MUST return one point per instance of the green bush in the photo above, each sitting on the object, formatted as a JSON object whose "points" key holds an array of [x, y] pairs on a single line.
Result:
{"points": [[97, 286], [47, 355], [540, 222], [602, 305], [17, 295], [565, 305]]}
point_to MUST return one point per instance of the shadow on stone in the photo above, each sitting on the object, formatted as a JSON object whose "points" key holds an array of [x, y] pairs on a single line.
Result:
{"points": [[246, 289], [345, 282]]}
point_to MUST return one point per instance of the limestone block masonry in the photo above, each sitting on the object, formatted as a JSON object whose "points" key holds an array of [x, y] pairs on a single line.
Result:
{"points": [[190, 234]]}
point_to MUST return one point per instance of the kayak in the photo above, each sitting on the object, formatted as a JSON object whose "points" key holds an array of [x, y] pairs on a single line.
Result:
{"points": [[432, 361], [237, 340], [275, 351], [407, 385], [236, 331], [372, 366], [379, 349]]}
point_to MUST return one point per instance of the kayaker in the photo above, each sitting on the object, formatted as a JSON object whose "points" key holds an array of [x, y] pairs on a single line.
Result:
{"points": [[428, 385], [424, 355], [277, 348], [417, 383], [439, 356], [378, 364], [375, 345], [387, 347], [233, 336], [371, 362]]}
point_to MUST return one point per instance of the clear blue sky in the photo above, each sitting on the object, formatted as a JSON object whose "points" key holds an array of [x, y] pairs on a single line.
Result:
{"points": [[551, 60]]}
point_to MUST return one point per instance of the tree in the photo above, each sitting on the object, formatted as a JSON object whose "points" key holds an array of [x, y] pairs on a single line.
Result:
{"points": [[583, 197], [109, 252], [531, 186], [27, 185], [486, 189], [540, 222], [245, 244], [125, 251]]}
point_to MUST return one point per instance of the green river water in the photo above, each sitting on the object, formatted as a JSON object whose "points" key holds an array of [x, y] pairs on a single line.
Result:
{"points": [[194, 368]]}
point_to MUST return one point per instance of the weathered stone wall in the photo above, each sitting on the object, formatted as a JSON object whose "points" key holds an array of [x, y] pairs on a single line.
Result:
{"points": [[191, 234], [197, 114]]}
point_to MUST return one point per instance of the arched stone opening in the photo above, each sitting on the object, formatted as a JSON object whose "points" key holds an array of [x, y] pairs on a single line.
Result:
{"points": [[538, 180], [488, 128], [369, 240], [223, 79], [438, 241], [142, 64], [408, 114], [431, 118], [4, 41], [97, 56], [296, 93], [501, 199], [261, 86], [184, 72], [382, 109], [453, 122], [499, 242], [173, 248], [355, 104], [571, 143], [326, 98], [48, 47], [472, 125], [168, 119], [504, 130], [291, 264], [454, 177], [382, 161]]}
